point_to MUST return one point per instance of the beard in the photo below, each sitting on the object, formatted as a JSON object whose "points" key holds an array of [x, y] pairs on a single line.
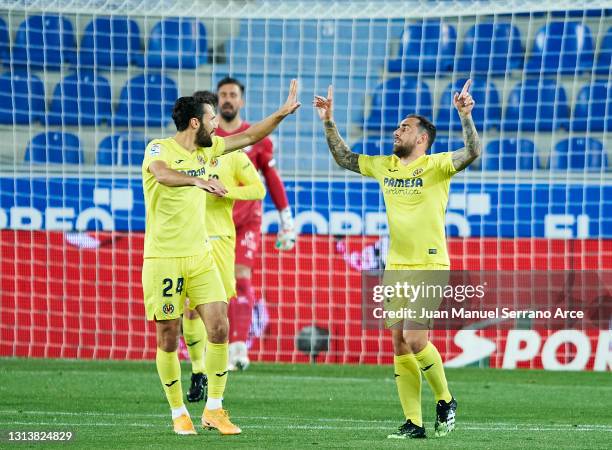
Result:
{"points": [[203, 137], [228, 112], [402, 151]]}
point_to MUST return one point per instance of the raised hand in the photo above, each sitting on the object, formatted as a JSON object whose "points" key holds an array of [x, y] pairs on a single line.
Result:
{"points": [[292, 103], [463, 101], [325, 106]]}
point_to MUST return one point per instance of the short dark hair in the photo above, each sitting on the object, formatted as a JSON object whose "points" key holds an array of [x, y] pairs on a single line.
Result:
{"points": [[230, 80], [186, 108], [427, 126], [207, 97]]}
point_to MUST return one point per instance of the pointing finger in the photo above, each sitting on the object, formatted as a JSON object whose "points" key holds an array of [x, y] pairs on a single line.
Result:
{"points": [[466, 87]]}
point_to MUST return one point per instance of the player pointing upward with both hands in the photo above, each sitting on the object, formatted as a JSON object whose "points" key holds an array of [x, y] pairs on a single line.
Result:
{"points": [[415, 188]]}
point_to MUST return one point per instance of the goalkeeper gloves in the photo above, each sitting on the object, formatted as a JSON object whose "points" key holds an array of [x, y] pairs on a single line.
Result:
{"points": [[285, 239]]}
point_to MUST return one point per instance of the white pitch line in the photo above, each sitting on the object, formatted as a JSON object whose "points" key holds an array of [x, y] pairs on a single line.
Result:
{"points": [[317, 378], [257, 376], [474, 425], [481, 383], [307, 427]]}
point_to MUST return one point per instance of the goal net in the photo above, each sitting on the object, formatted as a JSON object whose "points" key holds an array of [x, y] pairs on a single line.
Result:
{"points": [[85, 84]]}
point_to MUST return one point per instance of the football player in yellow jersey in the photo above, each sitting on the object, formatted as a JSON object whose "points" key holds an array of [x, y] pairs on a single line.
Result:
{"points": [[178, 260], [240, 178], [415, 188]]}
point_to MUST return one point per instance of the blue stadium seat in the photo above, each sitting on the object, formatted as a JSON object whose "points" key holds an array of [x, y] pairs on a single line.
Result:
{"points": [[314, 42], [109, 42], [579, 154], [262, 93], [510, 154], [369, 59], [374, 145], [604, 58], [44, 42], [592, 102], [22, 98], [536, 105], [4, 42], [82, 98], [426, 47], [273, 46], [146, 100], [122, 149], [394, 29], [562, 47], [176, 43], [491, 48], [356, 87], [396, 98], [265, 92], [303, 153], [582, 13], [339, 46], [263, 46], [446, 144], [310, 85], [54, 147], [487, 108]]}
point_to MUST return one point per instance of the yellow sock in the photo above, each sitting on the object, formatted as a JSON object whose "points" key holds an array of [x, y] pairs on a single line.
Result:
{"points": [[430, 362], [408, 380], [216, 368], [169, 370], [195, 336]]}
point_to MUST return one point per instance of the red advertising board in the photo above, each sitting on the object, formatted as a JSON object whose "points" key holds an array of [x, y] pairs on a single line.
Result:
{"points": [[79, 296]]}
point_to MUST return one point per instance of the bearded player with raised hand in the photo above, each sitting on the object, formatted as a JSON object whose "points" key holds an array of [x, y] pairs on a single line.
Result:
{"points": [[416, 217], [177, 253], [248, 219]]}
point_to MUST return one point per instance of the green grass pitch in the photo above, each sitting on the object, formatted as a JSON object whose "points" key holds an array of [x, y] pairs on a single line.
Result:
{"points": [[121, 405]]}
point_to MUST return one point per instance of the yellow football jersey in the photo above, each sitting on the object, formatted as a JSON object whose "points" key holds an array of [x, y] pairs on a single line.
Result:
{"points": [[175, 223], [239, 176], [415, 197]]}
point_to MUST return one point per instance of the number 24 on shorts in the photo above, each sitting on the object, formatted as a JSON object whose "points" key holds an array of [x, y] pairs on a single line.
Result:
{"points": [[167, 286]]}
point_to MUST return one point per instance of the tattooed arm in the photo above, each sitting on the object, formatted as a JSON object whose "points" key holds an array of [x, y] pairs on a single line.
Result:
{"points": [[338, 148], [464, 104], [465, 156]]}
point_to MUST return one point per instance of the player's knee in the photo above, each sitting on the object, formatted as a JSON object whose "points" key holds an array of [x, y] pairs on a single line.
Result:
{"points": [[218, 332], [399, 346], [414, 342], [168, 340], [398, 341]]}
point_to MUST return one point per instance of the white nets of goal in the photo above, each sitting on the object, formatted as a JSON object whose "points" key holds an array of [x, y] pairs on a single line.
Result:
{"points": [[87, 83]]}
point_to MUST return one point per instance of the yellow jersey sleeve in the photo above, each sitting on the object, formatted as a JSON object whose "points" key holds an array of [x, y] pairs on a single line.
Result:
{"points": [[444, 163], [155, 151], [366, 165], [218, 146], [250, 187]]}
